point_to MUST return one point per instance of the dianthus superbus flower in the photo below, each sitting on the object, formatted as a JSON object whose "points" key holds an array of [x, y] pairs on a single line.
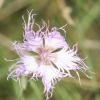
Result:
{"points": [[45, 54]]}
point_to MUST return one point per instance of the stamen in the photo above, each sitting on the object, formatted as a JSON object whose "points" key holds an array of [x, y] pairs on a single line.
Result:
{"points": [[43, 42], [57, 50], [54, 65], [33, 53]]}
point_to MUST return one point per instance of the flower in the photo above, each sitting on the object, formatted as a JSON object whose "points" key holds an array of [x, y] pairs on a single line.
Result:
{"points": [[45, 54]]}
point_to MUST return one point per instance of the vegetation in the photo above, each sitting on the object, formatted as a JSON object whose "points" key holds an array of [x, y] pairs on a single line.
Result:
{"points": [[82, 19]]}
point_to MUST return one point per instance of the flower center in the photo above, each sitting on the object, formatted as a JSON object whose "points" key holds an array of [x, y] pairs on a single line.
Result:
{"points": [[45, 56]]}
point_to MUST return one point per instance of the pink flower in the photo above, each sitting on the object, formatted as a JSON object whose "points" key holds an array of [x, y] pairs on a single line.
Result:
{"points": [[45, 54]]}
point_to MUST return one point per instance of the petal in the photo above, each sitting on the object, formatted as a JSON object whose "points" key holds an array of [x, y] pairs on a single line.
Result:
{"points": [[16, 71], [55, 40], [33, 44], [55, 43], [24, 67], [29, 63], [50, 76], [67, 60]]}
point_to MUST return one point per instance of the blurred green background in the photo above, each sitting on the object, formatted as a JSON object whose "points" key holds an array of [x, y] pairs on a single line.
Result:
{"points": [[83, 19]]}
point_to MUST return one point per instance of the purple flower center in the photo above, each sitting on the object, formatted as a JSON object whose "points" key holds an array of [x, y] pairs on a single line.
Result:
{"points": [[45, 55]]}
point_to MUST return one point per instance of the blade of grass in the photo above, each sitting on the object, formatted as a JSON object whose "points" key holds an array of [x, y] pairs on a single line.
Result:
{"points": [[37, 90]]}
